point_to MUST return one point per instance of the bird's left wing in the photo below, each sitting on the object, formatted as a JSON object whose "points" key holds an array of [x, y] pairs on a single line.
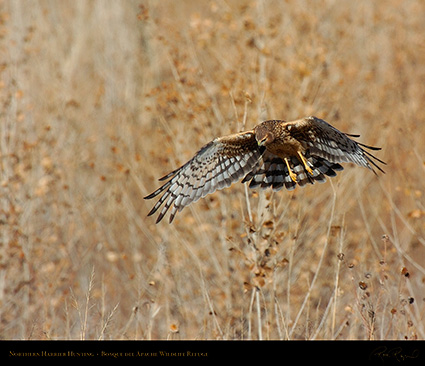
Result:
{"points": [[323, 140], [217, 165]]}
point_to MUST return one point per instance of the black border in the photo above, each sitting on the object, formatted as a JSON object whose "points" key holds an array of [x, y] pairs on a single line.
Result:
{"points": [[154, 352]]}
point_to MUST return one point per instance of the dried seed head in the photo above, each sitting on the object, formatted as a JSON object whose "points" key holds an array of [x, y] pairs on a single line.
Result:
{"points": [[174, 328], [405, 272], [362, 285]]}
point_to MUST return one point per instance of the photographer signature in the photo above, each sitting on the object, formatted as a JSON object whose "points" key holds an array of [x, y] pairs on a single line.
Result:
{"points": [[384, 353]]}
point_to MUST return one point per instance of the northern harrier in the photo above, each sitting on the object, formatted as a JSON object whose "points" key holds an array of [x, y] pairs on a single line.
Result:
{"points": [[274, 154]]}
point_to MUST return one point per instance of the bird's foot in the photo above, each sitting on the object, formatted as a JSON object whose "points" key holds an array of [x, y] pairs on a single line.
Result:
{"points": [[291, 173], [305, 163]]}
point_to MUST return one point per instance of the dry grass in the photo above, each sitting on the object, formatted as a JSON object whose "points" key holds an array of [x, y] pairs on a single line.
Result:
{"points": [[100, 98]]}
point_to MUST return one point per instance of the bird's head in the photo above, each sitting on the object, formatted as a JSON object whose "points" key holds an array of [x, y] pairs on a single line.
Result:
{"points": [[264, 137]]}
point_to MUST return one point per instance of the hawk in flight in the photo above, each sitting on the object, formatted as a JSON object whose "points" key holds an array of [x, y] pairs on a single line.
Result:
{"points": [[274, 154]]}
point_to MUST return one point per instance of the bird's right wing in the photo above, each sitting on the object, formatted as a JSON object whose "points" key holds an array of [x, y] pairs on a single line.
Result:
{"points": [[217, 165]]}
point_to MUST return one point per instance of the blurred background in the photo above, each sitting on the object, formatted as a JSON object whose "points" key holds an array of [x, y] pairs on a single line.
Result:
{"points": [[101, 98]]}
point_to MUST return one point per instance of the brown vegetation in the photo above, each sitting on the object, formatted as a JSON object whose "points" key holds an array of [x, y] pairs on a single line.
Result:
{"points": [[101, 98]]}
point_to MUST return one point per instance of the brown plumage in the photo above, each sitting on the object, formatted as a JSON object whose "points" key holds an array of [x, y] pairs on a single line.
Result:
{"points": [[274, 154]]}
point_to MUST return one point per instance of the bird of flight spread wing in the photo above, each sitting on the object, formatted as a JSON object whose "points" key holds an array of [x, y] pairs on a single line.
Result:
{"points": [[325, 141], [217, 165]]}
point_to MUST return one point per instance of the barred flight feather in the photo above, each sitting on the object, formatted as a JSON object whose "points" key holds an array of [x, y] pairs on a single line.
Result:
{"points": [[274, 173], [216, 166]]}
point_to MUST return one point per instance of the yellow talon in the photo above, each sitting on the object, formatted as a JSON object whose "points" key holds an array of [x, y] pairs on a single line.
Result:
{"points": [[291, 173], [307, 167]]}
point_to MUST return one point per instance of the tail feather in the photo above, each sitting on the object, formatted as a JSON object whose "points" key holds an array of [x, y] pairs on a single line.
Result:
{"points": [[273, 172]]}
